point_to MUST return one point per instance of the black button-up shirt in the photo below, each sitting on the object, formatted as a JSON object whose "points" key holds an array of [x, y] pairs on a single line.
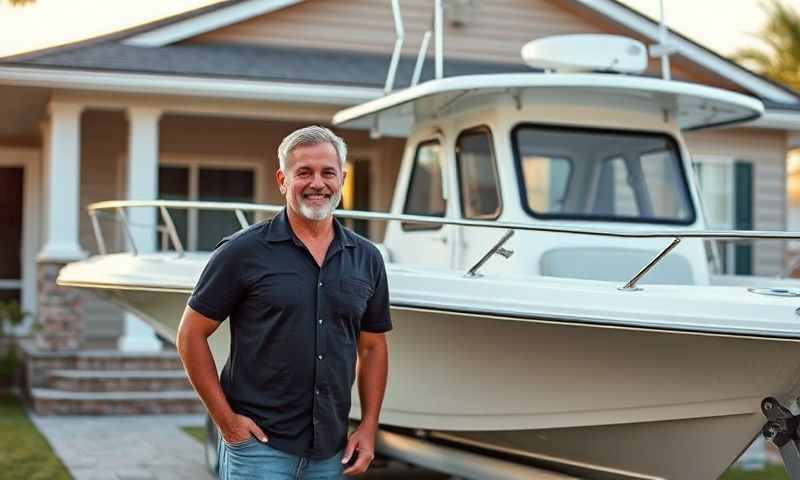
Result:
{"points": [[294, 329]]}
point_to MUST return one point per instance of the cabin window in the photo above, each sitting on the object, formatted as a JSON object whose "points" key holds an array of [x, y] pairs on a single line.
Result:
{"points": [[425, 190], [477, 175], [546, 181], [615, 195], [596, 174], [202, 229]]}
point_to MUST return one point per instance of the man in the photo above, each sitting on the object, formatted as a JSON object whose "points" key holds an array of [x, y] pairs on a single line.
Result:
{"points": [[305, 297]]}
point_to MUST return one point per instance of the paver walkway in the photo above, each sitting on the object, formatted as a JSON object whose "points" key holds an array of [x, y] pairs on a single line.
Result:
{"points": [[138, 447]]}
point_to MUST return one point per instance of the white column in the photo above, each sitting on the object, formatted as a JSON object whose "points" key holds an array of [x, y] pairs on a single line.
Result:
{"points": [[62, 156], [142, 173], [142, 184]]}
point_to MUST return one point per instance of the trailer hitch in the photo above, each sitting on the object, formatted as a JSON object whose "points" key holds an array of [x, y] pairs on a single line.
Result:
{"points": [[782, 430]]}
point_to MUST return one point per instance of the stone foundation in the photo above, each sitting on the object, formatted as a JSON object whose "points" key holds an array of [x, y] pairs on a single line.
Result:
{"points": [[58, 323]]}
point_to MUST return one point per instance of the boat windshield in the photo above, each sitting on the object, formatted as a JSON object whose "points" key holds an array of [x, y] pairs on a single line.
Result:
{"points": [[603, 175]]}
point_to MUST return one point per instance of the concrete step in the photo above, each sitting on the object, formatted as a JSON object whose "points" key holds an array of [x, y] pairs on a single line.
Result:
{"points": [[48, 401], [116, 360], [118, 380]]}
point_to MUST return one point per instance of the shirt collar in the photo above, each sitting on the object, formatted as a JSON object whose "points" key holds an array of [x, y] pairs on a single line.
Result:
{"points": [[280, 231]]}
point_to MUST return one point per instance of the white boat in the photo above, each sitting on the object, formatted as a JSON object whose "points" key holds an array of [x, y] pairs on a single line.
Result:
{"points": [[561, 355]]}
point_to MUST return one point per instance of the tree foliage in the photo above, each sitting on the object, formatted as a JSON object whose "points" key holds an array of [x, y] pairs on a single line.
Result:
{"points": [[19, 3], [780, 60]]}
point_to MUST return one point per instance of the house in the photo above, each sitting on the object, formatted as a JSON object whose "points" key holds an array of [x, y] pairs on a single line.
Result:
{"points": [[194, 106]]}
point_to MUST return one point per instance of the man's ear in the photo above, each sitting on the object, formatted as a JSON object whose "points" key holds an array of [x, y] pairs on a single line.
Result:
{"points": [[280, 179]]}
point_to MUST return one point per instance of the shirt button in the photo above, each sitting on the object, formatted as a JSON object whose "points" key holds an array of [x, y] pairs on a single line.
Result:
{"points": [[320, 321], [316, 391], [320, 284], [319, 357]]}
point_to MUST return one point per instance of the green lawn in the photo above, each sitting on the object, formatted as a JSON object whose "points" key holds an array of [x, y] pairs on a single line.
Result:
{"points": [[24, 453], [771, 473], [197, 432]]}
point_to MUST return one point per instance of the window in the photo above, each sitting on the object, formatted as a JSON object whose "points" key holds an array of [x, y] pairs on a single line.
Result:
{"points": [[173, 184], [726, 189], [425, 191], [356, 193], [222, 185], [477, 175], [594, 174], [615, 195], [202, 229], [546, 180]]}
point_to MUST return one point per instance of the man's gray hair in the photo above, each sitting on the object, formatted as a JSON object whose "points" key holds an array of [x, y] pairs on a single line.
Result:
{"points": [[313, 135]]}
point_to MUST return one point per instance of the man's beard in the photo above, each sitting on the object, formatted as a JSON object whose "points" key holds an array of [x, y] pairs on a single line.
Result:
{"points": [[321, 212]]}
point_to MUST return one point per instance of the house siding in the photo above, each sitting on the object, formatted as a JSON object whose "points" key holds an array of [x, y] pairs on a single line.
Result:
{"points": [[495, 32], [767, 151]]}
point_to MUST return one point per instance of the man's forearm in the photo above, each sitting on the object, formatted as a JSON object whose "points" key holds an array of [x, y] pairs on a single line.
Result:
{"points": [[199, 365], [372, 373]]}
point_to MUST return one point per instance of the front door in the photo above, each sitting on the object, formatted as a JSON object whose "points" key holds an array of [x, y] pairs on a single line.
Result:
{"points": [[11, 181]]}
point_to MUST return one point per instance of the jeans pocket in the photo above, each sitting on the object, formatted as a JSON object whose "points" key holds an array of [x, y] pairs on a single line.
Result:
{"points": [[240, 444]]}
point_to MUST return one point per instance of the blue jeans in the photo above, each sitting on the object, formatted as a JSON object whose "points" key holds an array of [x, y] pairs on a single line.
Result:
{"points": [[253, 460]]}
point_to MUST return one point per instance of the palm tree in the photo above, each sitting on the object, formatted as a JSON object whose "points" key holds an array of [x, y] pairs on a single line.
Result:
{"points": [[780, 61]]}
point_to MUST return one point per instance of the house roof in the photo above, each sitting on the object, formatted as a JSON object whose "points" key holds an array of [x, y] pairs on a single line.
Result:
{"points": [[151, 48], [252, 62]]}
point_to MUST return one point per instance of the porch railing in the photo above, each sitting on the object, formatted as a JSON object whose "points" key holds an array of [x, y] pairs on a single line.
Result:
{"points": [[169, 231]]}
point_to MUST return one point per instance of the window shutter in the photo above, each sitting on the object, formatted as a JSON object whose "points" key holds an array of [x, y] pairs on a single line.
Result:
{"points": [[743, 214]]}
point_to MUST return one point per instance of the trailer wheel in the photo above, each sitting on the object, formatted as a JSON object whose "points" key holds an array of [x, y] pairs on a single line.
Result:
{"points": [[211, 444]]}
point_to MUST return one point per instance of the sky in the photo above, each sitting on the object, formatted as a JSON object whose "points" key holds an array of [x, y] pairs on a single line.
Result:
{"points": [[722, 25]]}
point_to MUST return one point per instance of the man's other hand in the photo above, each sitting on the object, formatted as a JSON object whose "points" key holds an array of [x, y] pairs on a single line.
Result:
{"points": [[363, 442], [241, 428]]}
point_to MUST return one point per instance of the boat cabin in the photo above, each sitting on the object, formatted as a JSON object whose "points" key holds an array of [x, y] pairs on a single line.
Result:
{"points": [[592, 150]]}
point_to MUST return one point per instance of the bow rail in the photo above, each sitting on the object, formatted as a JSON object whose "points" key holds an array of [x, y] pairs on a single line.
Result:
{"points": [[238, 209]]}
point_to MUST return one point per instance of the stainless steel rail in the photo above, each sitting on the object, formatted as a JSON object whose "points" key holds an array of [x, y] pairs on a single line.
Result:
{"points": [[361, 215], [238, 208]]}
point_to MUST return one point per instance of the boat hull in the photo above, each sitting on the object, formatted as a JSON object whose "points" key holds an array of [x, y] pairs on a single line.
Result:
{"points": [[602, 401]]}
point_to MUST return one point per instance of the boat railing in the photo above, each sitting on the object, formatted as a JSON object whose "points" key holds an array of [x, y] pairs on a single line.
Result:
{"points": [[169, 231]]}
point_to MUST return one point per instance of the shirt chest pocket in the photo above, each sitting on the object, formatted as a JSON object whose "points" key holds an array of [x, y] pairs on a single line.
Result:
{"points": [[352, 297]]}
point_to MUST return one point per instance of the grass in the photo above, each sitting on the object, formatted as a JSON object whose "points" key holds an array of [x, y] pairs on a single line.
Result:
{"points": [[197, 432], [774, 472], [24, 453]]}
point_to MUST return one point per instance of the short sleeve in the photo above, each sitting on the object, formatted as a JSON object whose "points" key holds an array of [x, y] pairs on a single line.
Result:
{"points": [[219, 289], [376, 318]]}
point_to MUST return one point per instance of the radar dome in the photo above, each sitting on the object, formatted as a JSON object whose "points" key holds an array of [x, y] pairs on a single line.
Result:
{"points": [[586, 53]]}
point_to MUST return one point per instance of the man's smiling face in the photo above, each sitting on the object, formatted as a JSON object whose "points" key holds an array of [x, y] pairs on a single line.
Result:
{"points": [[313, 181]]}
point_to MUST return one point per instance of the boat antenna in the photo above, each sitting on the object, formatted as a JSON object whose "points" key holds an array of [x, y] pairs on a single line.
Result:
{"points": [[438, 28], [662, 48], [423, 51], [400, 32], [398, 46]]}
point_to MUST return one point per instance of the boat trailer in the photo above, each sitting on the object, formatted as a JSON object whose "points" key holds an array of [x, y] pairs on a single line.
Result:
{"points": [[783, 430]]}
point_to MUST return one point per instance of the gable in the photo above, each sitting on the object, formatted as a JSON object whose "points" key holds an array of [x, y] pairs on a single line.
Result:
{"points": [[494, 32]]}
